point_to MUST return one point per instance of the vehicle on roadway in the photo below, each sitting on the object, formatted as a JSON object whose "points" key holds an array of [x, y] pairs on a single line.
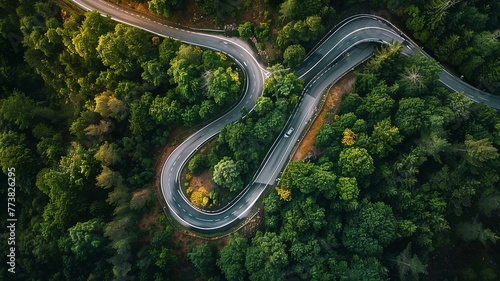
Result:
{"points": [[289, 132]]}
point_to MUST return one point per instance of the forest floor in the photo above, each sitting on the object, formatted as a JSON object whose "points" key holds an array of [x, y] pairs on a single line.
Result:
{"points": [[344, 86]]}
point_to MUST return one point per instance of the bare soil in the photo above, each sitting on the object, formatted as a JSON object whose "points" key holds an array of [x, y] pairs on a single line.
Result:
{"points": [[333, 100], [204, 179]]}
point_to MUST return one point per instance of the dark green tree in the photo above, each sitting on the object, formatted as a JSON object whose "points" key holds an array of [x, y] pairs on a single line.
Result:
{"points": [[232, 259], [293, 55], [370, 229], [204, 258]]}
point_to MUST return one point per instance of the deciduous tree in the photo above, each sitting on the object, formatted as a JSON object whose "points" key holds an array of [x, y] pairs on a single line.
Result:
{"points": [[232, 259], [227, 174], [354, 161], [293, 55], [371, 229]]}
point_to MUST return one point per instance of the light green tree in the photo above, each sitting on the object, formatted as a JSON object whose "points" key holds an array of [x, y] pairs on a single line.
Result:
{"points": [[370, 229], [227, 174], [354, 161], [293, 55]]}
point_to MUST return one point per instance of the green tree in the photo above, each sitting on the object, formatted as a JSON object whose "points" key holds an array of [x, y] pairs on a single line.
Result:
{"points": [[411, 115], [377, 105], [419, 76], [197, 163], [124, 50], [232, 259], [160, 7], [370, 229], [85, 42], [140, 119], [360, 269], [108, 154], [348, 189], [293, 55], [384, 137], [263, 105], [354, 161], [262, 31], [479, 151], [14, 152], [432, 145], [223, 86], [383, 54], [204, 258], [9, 110], [87, 239], [266, 258], [184, 74], [315, 28], [436, 11], [109, 178], [281, 84], [227, 174], [154, 72], [207, 109], [289, 9], [246, 30], [168, 50], [474, 231], [164, 110]]}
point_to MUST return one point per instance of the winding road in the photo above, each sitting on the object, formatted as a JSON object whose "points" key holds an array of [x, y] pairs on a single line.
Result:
{"points": [[347, 45]]}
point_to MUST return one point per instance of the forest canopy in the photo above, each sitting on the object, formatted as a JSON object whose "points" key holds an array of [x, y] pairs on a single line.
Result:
{"points": [[406, 180]]}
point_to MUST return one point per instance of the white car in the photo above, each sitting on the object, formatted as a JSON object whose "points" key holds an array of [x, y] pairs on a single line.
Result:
{"points": [[289, 132]]}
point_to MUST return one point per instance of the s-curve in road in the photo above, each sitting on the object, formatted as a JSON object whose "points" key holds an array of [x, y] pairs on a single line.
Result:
{"points": [[350, 43]]}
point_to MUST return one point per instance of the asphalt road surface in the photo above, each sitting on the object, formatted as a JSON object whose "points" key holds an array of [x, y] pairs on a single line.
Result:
{"points": [[347, 45]]}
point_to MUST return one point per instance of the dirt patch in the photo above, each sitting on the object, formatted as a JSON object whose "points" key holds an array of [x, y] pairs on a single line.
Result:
{"points": [[344, 86], [204, 179], [251, 226], [151, 220]]}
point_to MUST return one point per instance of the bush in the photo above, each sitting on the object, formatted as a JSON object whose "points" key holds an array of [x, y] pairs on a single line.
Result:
{"points": [[197, 164]]}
